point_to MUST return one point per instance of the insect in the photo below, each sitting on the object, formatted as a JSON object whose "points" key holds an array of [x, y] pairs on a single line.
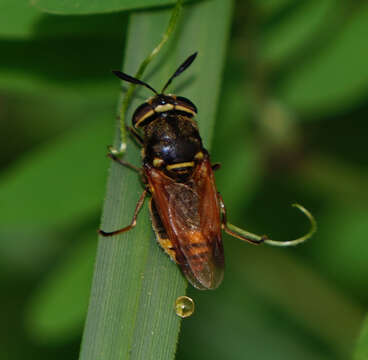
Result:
{"points": [[187, 212]]}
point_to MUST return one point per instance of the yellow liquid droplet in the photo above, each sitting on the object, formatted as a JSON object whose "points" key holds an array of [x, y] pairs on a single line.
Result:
{"points": [[184, 306]]}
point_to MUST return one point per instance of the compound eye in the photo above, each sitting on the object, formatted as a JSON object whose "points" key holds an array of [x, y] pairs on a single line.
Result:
{"points": [[142, 113], [184, 104]]}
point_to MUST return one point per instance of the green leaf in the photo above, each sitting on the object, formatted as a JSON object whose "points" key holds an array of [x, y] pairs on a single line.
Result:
{"points": [[21, 20], [71, 7], [131, 314], [17, 18], [68, 67], [270, 7], [71, 56], [344, 230], [241, 156], [60, 182], [289, 34], [58, 308], [361, 351], [337, 76]]}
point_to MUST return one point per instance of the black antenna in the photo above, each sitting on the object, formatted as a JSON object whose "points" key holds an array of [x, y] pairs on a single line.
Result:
{"points": [[180, 69], [132, 80]]}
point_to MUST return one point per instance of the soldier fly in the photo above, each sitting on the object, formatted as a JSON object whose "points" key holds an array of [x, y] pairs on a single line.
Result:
{"points": [[187, 212]]}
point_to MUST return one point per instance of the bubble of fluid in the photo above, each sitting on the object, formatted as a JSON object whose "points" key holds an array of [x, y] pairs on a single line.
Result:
{"points": [[184, 306]]}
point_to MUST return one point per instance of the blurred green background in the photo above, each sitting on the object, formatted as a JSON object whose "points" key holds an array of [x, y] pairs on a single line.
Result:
{"points": [[291, 126]]}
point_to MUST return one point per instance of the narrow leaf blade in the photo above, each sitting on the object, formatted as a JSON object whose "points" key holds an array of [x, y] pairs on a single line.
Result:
{"points": [[131, 312]]}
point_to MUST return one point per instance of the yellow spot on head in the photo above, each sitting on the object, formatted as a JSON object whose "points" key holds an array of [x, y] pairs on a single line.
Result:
{"points": [[163, 108]]}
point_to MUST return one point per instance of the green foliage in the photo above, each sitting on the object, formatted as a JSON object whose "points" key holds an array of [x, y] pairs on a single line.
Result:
{"points": [[361, 352], [337, 77], [287, 35], [17, 18], [38, 183], [68, 7], [291, 126], [53, 314]]}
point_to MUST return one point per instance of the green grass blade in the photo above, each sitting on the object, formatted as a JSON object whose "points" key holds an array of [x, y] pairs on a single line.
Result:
{"points": [[131, 313]]}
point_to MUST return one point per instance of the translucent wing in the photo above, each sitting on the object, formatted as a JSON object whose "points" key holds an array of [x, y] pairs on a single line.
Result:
{"points": [[186, 218]]}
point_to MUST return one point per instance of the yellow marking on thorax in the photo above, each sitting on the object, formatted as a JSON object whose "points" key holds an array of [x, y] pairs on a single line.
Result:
{"points": [[157, 162], [199, 155], [180, 165]]}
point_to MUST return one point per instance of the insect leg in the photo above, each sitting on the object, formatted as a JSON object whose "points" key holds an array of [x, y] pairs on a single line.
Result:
{"points": [[257, 239], [134, 220], [124, 163], [135, 135], [216, 166], [225, 227]]}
